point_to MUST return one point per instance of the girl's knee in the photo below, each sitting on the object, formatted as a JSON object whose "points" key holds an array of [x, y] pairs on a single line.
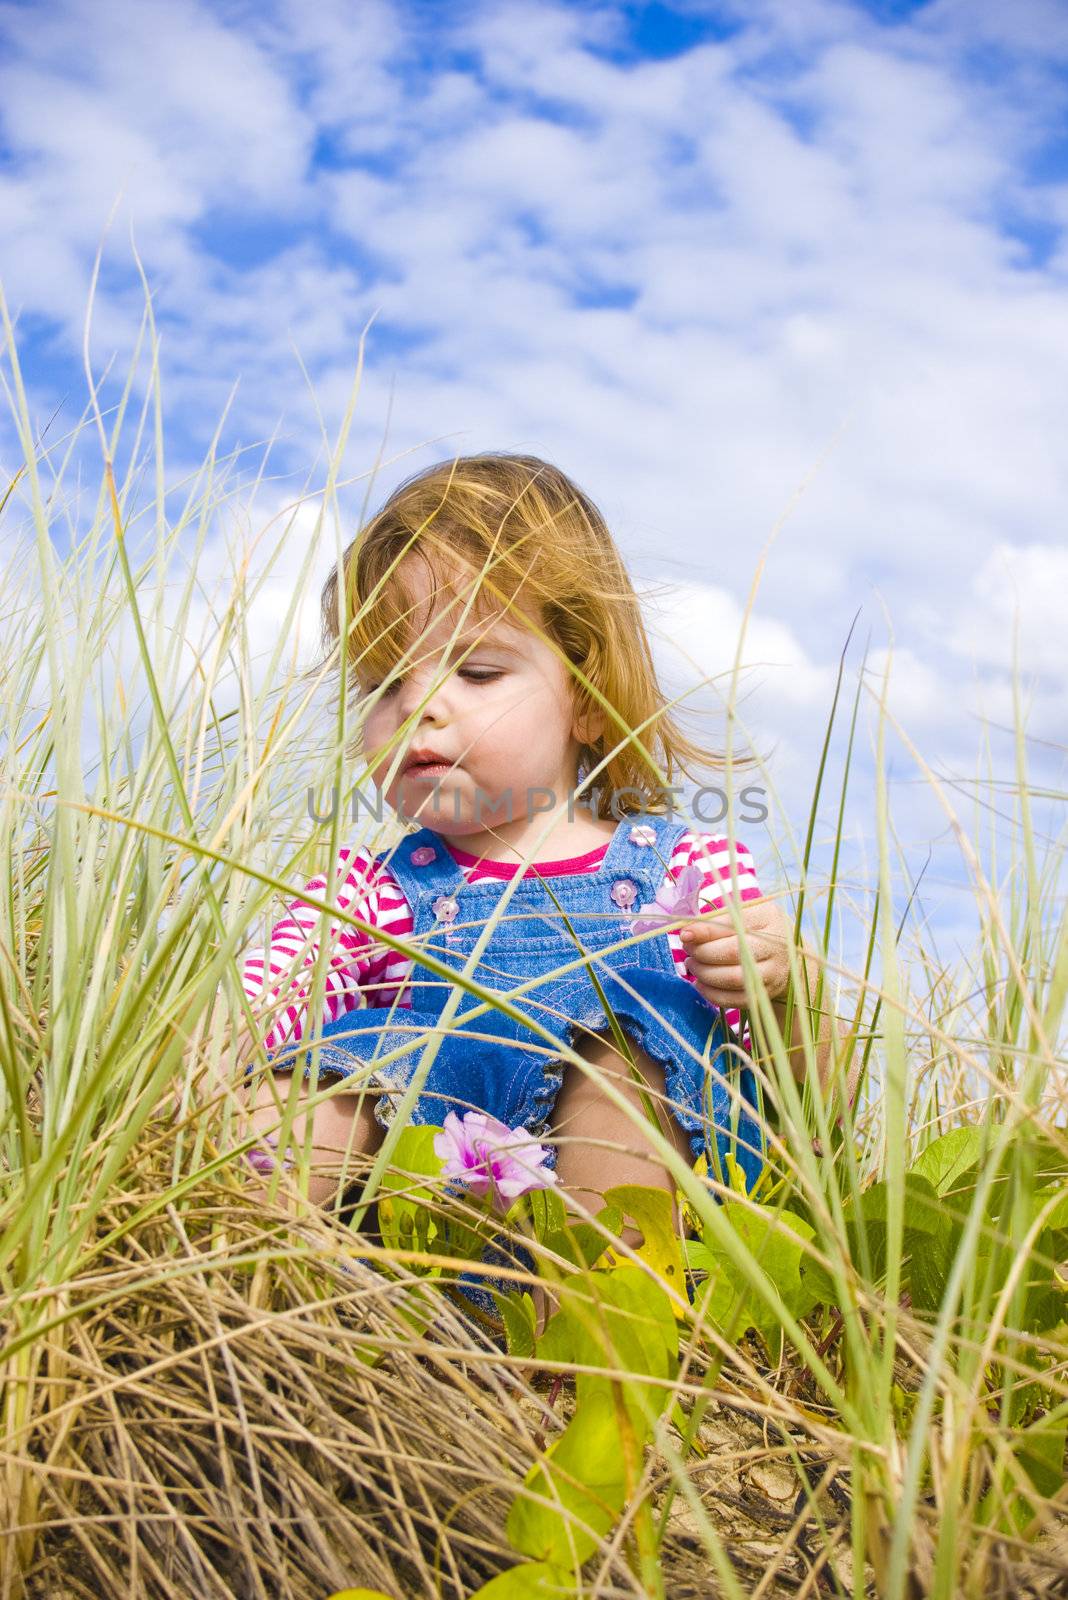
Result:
{"points": [[266, 1096], [342, 1127], [588, 1101], [631, 1073], [333, 1112]]}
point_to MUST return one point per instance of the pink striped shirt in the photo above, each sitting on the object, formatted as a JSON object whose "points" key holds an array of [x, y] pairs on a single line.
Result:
{"points": [[360, 971]]}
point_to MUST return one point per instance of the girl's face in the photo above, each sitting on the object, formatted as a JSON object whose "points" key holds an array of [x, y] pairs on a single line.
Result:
{"points": [[501, 723]]}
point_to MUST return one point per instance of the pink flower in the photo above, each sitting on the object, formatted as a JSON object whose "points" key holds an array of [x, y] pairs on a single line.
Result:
{"points": [[489, 1158], [264, 1161], [673, 902]]}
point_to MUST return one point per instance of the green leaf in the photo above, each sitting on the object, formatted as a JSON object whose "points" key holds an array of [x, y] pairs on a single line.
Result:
{"points": [[1040, 1451], [548, 1215], [698, 1256], [532, 1581], [620, 1319], [923, 1211], [580, 1243], [1057, 1218], [653, 1212], [930, 1236], [358, 1594], [776, 1239], [583, 1476], [1046, 1299], [948, 1158], [929, 1266], [459, 1239], [520, 1321], [404, 1219], [584, 1243]]}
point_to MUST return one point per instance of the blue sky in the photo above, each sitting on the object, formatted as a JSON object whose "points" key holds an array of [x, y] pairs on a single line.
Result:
{"points": [[702, 256]]}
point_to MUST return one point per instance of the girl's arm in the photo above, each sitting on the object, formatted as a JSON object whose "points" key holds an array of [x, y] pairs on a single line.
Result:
{"points": [[714, 959], [828, 1026], [277, 977], [711, 856]]}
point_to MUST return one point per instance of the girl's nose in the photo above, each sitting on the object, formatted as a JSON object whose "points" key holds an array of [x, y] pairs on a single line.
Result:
{"points": [[424, 693]]}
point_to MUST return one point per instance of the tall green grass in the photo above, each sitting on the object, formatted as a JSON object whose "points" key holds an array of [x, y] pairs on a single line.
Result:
{"points": [[209, 1395]]}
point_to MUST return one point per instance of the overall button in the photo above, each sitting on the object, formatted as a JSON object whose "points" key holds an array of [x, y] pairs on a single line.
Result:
{"points": [[424, 855], [642, 833], [624, 893], [445, 908]]}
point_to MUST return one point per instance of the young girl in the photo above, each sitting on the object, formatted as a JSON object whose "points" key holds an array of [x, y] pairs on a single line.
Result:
{"points": [[499, 656]]}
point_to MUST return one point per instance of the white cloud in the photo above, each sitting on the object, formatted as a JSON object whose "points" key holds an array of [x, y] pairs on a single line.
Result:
{"points": [[163, 110], [168, 81], [914, 693], [1021, 589], [697, 630], [1040, 27], [809, 216]]}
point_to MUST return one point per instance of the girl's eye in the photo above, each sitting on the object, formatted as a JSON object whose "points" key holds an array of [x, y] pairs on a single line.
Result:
{"points": [[472, 674]]}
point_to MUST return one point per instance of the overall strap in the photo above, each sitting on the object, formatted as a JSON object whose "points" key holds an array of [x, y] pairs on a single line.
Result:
{"points": [[421, 861], [642, 846]]}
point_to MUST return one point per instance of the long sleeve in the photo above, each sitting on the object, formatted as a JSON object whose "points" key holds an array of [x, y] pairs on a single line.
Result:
{"points": [[712, 855], [359, 971]]}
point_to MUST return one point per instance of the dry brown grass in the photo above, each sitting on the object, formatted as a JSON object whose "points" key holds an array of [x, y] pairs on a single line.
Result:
{"points": [[206, 1424]]}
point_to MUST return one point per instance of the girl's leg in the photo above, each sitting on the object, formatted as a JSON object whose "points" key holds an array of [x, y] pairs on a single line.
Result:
{"points": [[342, 1126], [588, 1125]]}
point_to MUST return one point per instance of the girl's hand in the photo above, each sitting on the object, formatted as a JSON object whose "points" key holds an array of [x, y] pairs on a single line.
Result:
{"points": [[715, 957], [715, 962]]}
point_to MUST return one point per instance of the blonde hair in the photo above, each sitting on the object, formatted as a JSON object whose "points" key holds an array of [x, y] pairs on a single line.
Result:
{"points": [[529, 531]]}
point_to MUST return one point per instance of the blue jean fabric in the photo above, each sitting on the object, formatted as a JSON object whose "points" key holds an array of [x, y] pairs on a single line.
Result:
{"points": [[497, 1063]]}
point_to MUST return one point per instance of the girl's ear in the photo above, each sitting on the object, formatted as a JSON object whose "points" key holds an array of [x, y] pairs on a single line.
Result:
{"points": [[588, 725]]}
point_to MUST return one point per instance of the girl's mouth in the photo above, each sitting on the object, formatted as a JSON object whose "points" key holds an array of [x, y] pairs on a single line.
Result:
{"points": [[428, 769]]}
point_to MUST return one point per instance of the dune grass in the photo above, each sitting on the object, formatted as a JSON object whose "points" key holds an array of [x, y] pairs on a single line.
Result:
{"points": [[205, 1394]]}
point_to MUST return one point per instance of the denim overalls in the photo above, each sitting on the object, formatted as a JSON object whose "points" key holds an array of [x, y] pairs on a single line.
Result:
{"points": [[500, 1065]]}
